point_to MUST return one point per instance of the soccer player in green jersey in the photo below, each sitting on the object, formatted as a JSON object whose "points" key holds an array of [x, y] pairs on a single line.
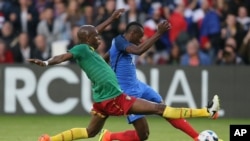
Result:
{"points": [[108, 98]]}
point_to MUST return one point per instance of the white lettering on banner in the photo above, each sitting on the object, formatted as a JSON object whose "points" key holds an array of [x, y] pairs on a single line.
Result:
{"points": [[187, 97], [42, 90], [12, 94], [204, 88], [86, 93], [154, 77]]}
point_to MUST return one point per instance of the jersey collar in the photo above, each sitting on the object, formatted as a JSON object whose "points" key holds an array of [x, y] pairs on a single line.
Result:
{"points": [[91, 48]]}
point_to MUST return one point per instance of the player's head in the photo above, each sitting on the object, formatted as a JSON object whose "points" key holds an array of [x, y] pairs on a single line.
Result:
{"points": [[134, 32], [88, 34]]}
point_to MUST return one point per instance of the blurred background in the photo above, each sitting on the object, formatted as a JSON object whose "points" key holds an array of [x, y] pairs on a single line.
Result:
{"points": [[204, 32], [211, 37]]}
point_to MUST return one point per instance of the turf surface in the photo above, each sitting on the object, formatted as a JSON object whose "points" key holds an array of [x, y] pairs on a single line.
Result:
{"points": [[28, 128]]}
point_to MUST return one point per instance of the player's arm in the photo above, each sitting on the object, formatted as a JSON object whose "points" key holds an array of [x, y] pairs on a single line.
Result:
{"points": [[52, 61], [140, 49], [116, 14]]}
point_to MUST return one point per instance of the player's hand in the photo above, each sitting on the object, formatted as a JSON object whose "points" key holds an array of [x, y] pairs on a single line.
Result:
{"points": [[117, 13], [37, 62], [163, 26]]}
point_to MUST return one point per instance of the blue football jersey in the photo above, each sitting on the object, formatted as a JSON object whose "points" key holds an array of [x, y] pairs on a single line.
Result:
{"points": [[123, 63]]}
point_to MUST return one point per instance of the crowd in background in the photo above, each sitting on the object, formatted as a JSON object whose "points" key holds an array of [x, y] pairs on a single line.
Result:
{"points": [[204, 32]]}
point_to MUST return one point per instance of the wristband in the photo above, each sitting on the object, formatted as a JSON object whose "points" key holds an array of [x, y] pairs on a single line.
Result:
{"points": [[46, 63]]}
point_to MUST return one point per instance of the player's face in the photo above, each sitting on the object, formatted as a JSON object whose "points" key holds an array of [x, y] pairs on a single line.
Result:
{"points": [[136, 37], [94, 40]]}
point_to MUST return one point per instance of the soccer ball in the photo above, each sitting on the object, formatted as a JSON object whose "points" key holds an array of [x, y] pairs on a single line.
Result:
{"points": [[208, 135]]}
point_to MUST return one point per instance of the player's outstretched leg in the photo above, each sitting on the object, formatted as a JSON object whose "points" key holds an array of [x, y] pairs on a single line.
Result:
{"points": [[68, 135], [184, 126], [141, 106], [94, 128], [210, 111]]}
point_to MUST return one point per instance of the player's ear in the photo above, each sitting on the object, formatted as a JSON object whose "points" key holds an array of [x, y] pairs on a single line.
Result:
{"points": [[87, 40]]}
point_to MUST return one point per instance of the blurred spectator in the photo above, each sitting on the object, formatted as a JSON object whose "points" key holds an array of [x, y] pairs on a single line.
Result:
{"points": [[50, 28], [5, 10], [232, 42], [194, 57], [111, 30], [232, 29], [89, 13], [122, 4], [209, 29], [40, 5], [233, 5], [146, 5], [243, 18], [74, 14], [74, 39], [7, 34], [6, 55], [25, 18], [23, 50], [131, 15], [147, 58], [84, 3], [217, 24], [178, 22], [61, 15], [228, 55], [42, 50], [221, 8], [174, 57], [162, 46], [100, 12], [168, 7], [244, 50], [189, 9], [60, 11]]}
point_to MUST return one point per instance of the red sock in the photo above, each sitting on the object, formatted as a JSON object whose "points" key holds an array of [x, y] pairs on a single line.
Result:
{"points": [[129, 135], [184, 126]]}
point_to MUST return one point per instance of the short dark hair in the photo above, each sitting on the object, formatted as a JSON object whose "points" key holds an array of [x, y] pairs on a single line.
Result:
{"points": [[132, 26]]}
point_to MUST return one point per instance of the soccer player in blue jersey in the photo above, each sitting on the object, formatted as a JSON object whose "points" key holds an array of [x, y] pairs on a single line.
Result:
{"points": [[123, 49]]}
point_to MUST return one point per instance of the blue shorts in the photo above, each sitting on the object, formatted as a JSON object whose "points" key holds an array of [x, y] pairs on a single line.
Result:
{"points": [[145, 92]]}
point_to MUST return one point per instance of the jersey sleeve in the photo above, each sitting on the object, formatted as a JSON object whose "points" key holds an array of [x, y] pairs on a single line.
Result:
{"points": [[121, 44], [77, 51]]}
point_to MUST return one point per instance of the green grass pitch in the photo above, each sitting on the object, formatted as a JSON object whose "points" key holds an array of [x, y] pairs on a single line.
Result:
{"points": [[28, 128]]}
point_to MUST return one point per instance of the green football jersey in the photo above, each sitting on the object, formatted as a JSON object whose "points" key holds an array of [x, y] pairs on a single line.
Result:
{"points": [[104, 83]]}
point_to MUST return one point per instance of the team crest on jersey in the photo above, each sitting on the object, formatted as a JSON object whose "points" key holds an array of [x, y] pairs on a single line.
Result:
{"points": [[128, 97]]}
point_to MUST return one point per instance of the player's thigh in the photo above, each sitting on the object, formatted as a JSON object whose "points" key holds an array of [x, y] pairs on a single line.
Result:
{"points": [[151, 95], [142, 106], [95, 125]]}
